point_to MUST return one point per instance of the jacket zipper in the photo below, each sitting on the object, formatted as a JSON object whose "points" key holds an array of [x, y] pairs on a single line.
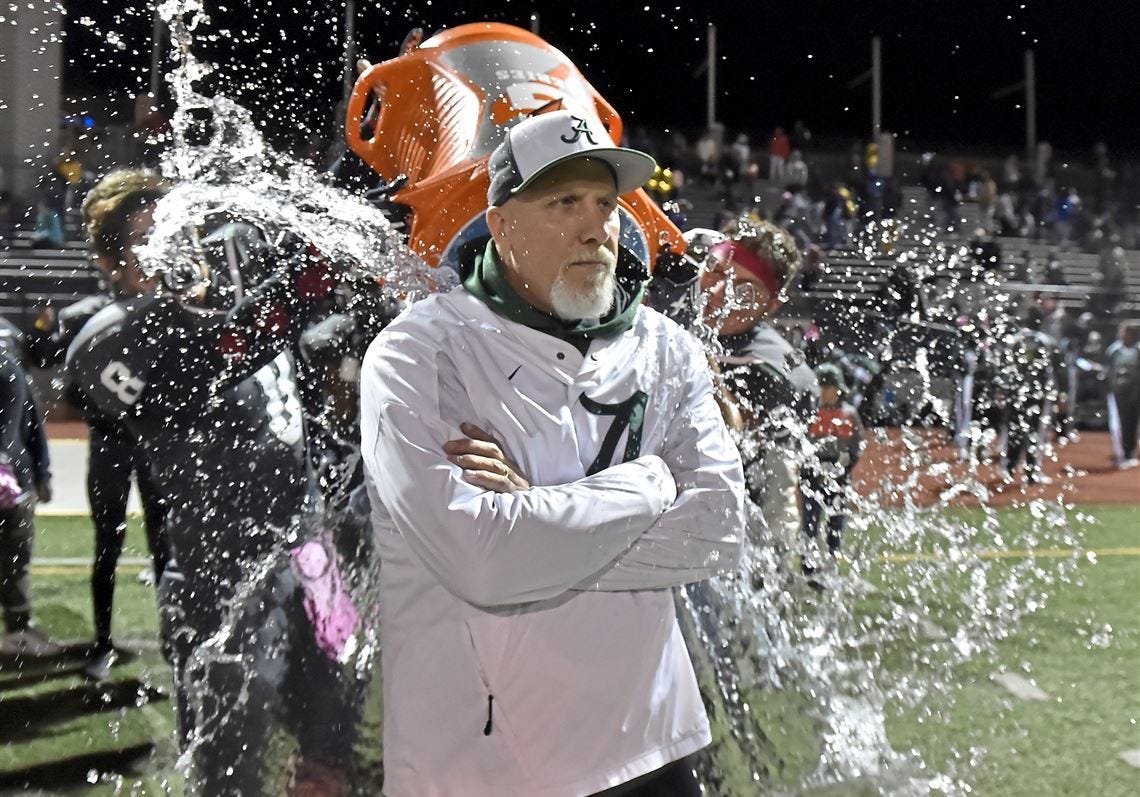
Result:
{"points": [[487, 727]]}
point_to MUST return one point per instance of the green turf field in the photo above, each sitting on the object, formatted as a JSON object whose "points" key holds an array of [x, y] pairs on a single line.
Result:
{"points": [[1082, 650]]}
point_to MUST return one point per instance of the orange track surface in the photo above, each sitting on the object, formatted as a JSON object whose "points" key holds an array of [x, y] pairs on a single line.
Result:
{"points": [[1082, 471], [1093, 479]]}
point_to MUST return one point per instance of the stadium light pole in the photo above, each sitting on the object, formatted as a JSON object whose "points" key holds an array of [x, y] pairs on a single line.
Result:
{"points": [[1029, 86], [712, 76], [1030, 108], [876, 88], [155, 54], [349, 47]]}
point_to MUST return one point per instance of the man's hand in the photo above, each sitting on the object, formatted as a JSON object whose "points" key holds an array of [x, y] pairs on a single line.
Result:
{"points": [[484, 462], [44, 492]]}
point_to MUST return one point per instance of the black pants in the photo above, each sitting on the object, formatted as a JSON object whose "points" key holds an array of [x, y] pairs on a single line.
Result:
{"points": [[268, 673], [676, 779], [17, 529], [112, 457], [817, 493], [1023, 437], [1128, 407]]}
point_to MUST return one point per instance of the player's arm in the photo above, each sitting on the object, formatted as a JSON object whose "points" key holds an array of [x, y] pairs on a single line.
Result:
{"points": [[699, 536], [489, 548], [52, 333], [44, 341]]}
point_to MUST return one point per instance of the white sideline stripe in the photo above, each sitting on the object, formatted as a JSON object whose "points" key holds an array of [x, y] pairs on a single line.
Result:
{"points": [[1037, 553], [49, 512], [63, 565], [84, 561]]}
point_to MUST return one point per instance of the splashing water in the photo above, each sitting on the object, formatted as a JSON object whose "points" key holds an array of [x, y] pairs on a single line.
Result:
{"points": [[801, 684], [806, 682], [258, 656]]}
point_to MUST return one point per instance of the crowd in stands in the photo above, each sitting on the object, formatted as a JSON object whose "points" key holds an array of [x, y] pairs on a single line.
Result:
{"points": [[1071, 205], [827, 207]]}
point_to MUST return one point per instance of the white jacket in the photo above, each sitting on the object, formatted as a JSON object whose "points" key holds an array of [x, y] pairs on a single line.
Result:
{"points": [[529, 641]]}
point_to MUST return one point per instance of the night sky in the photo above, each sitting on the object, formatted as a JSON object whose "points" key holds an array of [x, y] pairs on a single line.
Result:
{"points": [[778, 62]]}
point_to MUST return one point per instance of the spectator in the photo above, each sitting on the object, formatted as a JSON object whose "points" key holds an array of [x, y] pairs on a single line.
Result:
{"points": [[12, 340], [1104, 177], [152, 129], [901, 295], [796, 214], [1123, 358], [49, 226], [985, 250], [708, 153], [1006, 219], [941, 190], [1011, 174], [808, 278], [796, 172], [7, 227], [801, 135], [1054, 269], [1024, 269], [838, 211], [1068, 205], [25, 477], [986, 195], [741, 154], [1031, 379], [50, 209], [779, 148], [1114, 278]]}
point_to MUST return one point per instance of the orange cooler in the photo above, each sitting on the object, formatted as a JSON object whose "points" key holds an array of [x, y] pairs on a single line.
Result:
{"points": [[444, 106]]}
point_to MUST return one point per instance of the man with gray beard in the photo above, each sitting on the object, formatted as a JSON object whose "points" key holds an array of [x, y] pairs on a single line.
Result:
{"points": [[545, 461]]}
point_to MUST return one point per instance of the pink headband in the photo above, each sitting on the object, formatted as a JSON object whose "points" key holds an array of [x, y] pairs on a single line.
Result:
{"points": [[743, 257]]}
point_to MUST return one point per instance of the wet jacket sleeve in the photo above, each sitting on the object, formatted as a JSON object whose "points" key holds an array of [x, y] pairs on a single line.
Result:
{"points": [[699, 536], [489, 548]]}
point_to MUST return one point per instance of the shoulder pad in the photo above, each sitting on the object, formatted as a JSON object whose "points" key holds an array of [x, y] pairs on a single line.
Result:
{"points": [[109, 360], [76, 314]]}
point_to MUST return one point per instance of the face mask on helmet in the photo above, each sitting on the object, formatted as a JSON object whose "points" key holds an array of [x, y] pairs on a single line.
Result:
{"points": [[214, 272]]}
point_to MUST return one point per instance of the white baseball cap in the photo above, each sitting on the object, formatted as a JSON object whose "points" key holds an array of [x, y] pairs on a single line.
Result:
{"points": [[538, 143]]}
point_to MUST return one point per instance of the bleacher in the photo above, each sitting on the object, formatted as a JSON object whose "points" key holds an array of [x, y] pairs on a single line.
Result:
{"points": [[851, 278], [32, 276]]}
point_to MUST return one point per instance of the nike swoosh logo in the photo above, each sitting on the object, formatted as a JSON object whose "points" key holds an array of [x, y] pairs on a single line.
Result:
{"points": [[512, 376]]}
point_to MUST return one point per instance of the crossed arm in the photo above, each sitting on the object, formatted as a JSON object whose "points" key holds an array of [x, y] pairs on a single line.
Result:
{"points": [[493, 538]]}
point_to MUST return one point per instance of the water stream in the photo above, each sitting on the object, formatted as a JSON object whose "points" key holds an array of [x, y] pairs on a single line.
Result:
{"points": [[802, 683]]}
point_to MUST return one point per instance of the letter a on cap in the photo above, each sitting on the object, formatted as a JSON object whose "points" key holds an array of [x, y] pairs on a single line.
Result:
{"points": [[580, 128]]}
